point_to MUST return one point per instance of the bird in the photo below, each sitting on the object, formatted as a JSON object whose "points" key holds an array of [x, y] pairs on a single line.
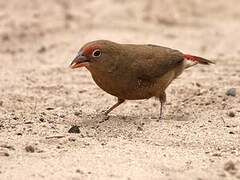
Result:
{"points": [[134, 71]]}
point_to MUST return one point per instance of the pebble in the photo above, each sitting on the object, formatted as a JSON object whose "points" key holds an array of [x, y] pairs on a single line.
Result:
{"points": [[41, 119], [231, 114], [77, 113], [231, 92], [49, 108], [4, 154], [62, 116], [79, 171], [74, 129], [29, 149], [198, 84], [217, 154], [15, 118], [139, 128], [72, 139], [230, 167], [42, 49]]}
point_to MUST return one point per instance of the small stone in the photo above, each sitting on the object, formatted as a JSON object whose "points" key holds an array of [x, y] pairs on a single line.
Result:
{"points": [[29, 149], [4, 154], [216, 154], [62, 116], [74, 129], [40, 151], [198, 84], [43, 113], [86, 144], [42, 49], [77, 113], [79, 171], [28, 122], [1, 103], [207, 103], [231, 92], [82, 91], [230, 167], [231, 114], [72, 139], [139, 128], [15, 118], [103, 143], [49, 108], [41, 119]]}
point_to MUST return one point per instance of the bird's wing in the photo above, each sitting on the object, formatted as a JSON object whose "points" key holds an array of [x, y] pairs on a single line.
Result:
{"points": [[153, 61]]}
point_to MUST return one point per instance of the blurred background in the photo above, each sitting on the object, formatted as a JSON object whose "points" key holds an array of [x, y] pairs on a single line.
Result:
{"points": [[57, 22]]}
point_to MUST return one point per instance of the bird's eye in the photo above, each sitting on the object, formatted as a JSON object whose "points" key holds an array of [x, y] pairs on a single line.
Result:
{"points": [[96, 53]]}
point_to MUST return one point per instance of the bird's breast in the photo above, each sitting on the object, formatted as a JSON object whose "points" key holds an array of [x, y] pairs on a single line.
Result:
{"points": [[124, 87]]}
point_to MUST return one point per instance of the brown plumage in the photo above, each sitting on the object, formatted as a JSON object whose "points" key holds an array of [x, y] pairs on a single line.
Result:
{"points": [[130, 71]]}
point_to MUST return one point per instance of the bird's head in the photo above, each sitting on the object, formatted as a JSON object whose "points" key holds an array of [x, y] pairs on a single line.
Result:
{"points": [[95, 54]]}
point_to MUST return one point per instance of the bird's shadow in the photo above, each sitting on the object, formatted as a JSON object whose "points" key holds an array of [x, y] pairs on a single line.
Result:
{"points": [[100, 126], [100, 119]]}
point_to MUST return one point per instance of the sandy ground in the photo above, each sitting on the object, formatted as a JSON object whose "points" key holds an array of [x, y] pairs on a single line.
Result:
{"points": [[41, 98]]}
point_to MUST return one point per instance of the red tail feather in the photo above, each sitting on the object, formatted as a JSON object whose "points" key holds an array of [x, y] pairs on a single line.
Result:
{"points": [[197, 59]]}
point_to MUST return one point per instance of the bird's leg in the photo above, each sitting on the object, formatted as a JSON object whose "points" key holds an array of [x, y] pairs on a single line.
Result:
{"points": [[162, 99], [120, 101]]}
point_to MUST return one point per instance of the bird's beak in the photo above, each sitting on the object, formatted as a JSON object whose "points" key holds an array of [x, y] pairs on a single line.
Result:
{"points": [[79, 61]]}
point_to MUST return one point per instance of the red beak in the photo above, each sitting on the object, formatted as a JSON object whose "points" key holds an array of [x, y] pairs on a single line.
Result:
{"points": [[79, 61]]}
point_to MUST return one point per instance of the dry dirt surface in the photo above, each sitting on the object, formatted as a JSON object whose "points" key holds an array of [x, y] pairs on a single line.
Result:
{"points": [[41, 98]]}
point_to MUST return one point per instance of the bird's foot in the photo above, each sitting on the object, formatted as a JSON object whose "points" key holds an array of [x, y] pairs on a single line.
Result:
{"points": [[104, 117], [160, 118]]}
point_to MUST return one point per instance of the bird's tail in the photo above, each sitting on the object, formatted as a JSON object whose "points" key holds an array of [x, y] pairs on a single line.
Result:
{"points": [[193, 60]]}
